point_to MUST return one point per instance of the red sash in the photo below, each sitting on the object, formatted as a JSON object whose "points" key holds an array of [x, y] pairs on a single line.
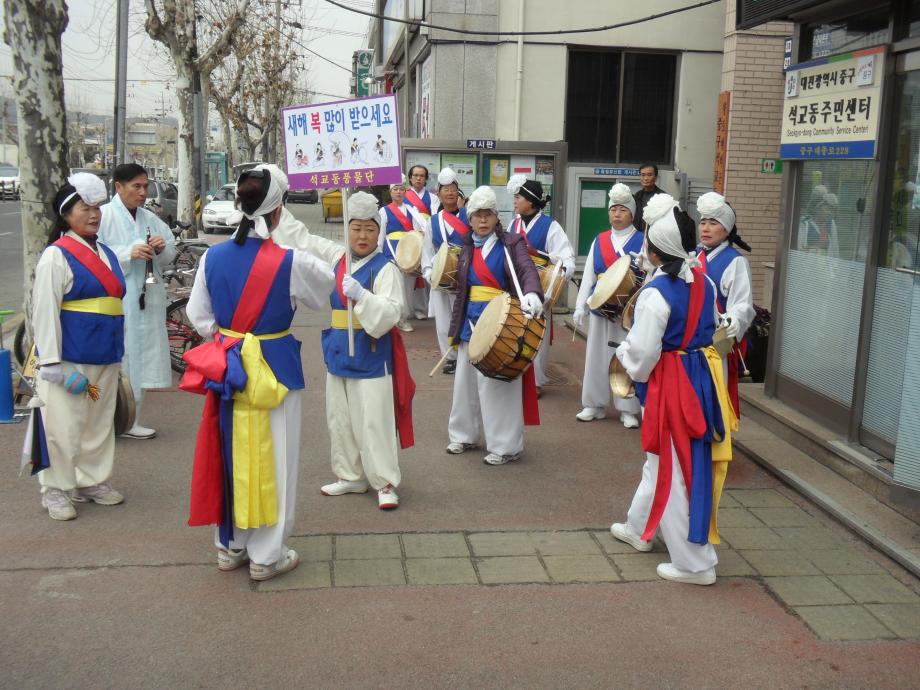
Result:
{"points": [[94, 264], [403, 391], [413, 198], [339, 275], [609, 253], [403, 219], [482, 270], [210, 361], [517, 227], [455, 223]]}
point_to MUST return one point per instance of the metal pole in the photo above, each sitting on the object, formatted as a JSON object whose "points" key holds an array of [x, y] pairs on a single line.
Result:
{"points": [[121, 83], [519, 73]]}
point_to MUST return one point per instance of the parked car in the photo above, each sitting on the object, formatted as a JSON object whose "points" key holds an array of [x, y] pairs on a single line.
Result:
{"points": [[9, 182], [216, 212], [163, 200], [304, 196]]}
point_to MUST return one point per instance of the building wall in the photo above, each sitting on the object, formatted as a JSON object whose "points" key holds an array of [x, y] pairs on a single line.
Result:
{"points": [[752, 72]]}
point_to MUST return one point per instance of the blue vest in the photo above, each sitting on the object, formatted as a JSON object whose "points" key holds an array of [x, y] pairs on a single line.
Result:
{"points": [[426, 197], [496, 263], [677, 294], [91, 338], [633, 244], [536, 236], [226, 270], [373, 357], [715, 269], [453, 237], [393, 225]]}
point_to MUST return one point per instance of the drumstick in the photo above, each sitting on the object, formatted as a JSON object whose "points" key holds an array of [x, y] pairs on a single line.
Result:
{"points": [[744, 370], [439, 364]]}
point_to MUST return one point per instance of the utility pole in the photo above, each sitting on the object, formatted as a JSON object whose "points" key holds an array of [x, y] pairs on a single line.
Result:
{"points": [[121, 83]]}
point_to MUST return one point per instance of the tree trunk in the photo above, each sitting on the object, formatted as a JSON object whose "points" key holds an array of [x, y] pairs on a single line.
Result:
{"points": [[33, 32], [187, 171], [228, 141]]}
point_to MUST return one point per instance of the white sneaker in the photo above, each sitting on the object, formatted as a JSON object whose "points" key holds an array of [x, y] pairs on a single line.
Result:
{"points": [[387, 498], [630, 421], [231, 559], [405, 326], [667, 571], [58, 504], [140, 432], [343, 486], [421, 315], [589, 414], [496, 459], [288, 561], [103, 494], [623, 532], [455, 447]]}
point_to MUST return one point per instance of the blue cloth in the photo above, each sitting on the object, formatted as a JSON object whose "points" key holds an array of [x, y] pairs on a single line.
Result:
{"points": [[452, 236], [392, 225], [496, 263], [91, 338], [373, 357], [715, 269], [633, 244], [539, 231]]}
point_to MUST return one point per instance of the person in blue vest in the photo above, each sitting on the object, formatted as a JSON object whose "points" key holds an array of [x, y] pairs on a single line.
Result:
{"points": [[622, 239], [244, 477], [547, 243], [731, 273], [78, 322], [678, 376], [395, 220], [449, 225], [481, 405], [361, 389]]}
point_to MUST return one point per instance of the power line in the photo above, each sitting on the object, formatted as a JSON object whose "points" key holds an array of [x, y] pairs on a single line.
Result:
{"points": [[305, 47], [479, 32]]}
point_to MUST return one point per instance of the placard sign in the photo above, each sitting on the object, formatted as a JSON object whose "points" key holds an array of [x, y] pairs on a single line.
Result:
{"points": [[831, 106], [352, 143]]}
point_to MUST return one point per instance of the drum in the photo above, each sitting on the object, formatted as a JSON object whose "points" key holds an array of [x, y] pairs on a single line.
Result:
{"points": [[552, 279], [620, 383], [721, 342], [409, 253], [613, 289], [444, 268], [504, 341], [124, 406]]}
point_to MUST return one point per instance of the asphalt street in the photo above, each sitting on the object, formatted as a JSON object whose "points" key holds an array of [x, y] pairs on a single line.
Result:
{"points": [[129, 596], [10, 256]]}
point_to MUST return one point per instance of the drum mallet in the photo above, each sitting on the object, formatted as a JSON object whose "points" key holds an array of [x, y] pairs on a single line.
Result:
{"points": [[440, 363], [745, 372], [6, 375]]}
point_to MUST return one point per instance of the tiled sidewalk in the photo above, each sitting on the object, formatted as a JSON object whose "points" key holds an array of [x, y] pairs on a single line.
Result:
{"points": [[839, 592]]}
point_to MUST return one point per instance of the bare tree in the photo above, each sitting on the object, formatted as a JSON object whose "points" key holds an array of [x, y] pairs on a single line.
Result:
{"points": [[175, 24], [33, 33]]}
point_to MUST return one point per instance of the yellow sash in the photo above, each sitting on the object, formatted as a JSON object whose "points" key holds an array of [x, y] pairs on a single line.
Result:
{"points": [[722, 448], [539, 260], [481, 293], [110, 306], [340, 319], [255, 500], [396, 235]]}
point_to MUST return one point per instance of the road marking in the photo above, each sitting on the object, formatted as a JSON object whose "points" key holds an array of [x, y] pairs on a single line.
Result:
{"points": [[4, 234]]}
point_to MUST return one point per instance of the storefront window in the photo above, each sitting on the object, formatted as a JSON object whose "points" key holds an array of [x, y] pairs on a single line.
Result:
{"points": [[844, 35]]}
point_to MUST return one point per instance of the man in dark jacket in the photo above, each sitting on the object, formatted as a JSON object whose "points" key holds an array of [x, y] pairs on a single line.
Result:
{"points": [[482, 404], [648, 178]]}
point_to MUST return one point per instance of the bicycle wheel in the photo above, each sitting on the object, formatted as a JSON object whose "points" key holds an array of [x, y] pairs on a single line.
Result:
{"points": [[182, 336], [21, 344]]}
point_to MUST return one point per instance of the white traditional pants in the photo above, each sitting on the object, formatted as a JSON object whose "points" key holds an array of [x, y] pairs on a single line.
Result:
{"points": [[265, 544], [440, 305], [80, 432], [362, 429], [675, 522], [595, 386], [420, 300], [484, 404], [408, 295], [539, 362]]}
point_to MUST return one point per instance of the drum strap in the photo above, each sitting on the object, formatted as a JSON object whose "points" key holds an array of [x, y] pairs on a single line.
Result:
{"points": [[94, 264], [413, 198]]}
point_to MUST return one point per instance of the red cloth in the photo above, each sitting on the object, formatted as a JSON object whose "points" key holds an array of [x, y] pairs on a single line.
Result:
{"points": [[255, 291], [403, 392], [413, 198], [208, 473], [339, 275], [403, 219], [530, 405], [697, 297], [608, 252], [734, 361], [455, 223], [483, 272], [94, 264]]}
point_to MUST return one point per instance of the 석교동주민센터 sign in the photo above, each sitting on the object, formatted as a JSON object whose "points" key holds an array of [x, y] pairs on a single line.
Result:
{"points": [[352, 143], [831, 106]]}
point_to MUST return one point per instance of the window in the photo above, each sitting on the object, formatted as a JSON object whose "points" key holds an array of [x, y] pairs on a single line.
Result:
{"points": [[620, 106], [845, 35], [152, 190], [170, 192]]}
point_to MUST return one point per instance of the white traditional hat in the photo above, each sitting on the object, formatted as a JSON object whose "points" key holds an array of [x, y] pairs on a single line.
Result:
{"points": [[619, 195], [664, 232], [514, 184], [481, 198], [89, 187], [363, 206], [447, 176], [713, 205]]}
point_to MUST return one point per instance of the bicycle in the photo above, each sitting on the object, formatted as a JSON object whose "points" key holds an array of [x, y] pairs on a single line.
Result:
{"points": [[181, 334]]}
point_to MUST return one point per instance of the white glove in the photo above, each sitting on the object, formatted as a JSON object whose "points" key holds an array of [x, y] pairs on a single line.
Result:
{"points": [[52, 373], [732, 327], [642, 262], [555, 258], [352, 288], [579, 316], [426, 274], [532, 306]]}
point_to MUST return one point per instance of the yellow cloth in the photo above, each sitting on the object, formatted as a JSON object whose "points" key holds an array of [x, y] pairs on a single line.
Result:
{"points": [[481, 293], [255, 499], [110, 306], [722, 448], [539, 260], [340, 319], [399, 234]]}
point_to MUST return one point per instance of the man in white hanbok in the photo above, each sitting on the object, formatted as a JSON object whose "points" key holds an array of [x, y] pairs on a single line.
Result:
{"points": [[144, 246]]}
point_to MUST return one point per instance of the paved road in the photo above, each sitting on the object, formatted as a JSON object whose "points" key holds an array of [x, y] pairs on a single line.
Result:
{"points": [[10, 256]]}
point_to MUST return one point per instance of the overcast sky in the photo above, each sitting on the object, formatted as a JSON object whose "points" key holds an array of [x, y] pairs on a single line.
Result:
{"points": [[89, 54]]}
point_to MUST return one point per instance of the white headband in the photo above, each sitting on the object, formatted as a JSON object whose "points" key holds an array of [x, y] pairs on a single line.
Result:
{"points": [[664, 233], [277, 186]]}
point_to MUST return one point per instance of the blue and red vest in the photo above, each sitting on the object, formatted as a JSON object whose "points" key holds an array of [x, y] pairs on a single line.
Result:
{"points": [[677, 294], [373, 356], [226, 270], [495, 263], [394, 226], [425, 196], [715, 269], [453, 237], [91, 338], [605, 254], [536, 236]]}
